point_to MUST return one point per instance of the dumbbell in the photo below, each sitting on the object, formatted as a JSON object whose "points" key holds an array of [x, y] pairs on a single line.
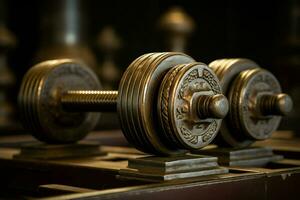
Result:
{"points": [[256, 102], [167, 103]]}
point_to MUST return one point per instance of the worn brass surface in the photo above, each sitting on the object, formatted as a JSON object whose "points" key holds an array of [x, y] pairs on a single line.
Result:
{"points": [[59, 99], [191, 105], [256, 102], [40, 106], [138, 99], [246, 114]]}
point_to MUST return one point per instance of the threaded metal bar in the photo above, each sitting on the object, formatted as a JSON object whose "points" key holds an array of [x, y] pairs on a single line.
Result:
{"points": [[267, 104], [214, 106], [90, 101], [277, 104]]}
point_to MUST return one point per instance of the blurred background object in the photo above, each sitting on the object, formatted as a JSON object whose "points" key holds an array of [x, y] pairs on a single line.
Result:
{"points": [[264, 31], [287, 65], [178, 26], [63, 32], [7, 78], [109, 43]]}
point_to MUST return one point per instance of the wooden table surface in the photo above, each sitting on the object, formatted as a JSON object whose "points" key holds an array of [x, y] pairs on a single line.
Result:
{"points": [[96, 177]]}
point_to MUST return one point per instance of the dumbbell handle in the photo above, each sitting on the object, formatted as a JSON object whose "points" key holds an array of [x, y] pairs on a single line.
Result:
{"points": [[106, 101], [215, 106], [90, 101]]}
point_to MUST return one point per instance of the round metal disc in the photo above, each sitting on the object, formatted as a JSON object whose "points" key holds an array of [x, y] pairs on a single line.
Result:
{"points": [[244, 94], [131, 85], [183, 85], [162, 143], [143, 97], [39, 100], [28, 88], [124, 103], [147, 99], [136, 89], [227, 70]]}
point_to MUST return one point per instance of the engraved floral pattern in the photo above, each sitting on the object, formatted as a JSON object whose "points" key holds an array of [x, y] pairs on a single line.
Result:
{"points": [[206, 136], [210, 132], [207, 75], [189, 136], [185, 84]]}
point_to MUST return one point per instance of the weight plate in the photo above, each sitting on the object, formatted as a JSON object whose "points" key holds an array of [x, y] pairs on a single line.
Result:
{"points": [[136, 123], [245, 91], [179, 92], [39, 100], [123, 102], [227, 70], [141, 143], [147, 99], [27, 88]]}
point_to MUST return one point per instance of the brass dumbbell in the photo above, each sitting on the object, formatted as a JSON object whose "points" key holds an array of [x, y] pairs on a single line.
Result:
{"points": [[256, 102], [167, 103]]}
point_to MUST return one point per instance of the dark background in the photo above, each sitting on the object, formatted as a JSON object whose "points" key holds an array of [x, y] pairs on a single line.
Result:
{"points": [[265, 31], [254, 29]]}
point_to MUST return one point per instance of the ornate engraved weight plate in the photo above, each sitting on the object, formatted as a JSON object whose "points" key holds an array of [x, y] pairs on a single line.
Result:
{"points": [[256, 102], [244, 96], [138, 96], [179, 96]]}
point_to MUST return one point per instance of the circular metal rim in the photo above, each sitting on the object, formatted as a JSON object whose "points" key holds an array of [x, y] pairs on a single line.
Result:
{"points": [[159, 146], [26, 101], [91, 118], [122, 102], [237, 117], [217, 121], [30, 102], [179, 72], [223, 68], [226, 70], [163, 108], [33, 110], [136, 118], [133, 82]]}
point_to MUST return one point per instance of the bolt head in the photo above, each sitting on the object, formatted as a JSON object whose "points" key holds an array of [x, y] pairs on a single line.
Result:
{"points": [[284, 103], [218, 106]]}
